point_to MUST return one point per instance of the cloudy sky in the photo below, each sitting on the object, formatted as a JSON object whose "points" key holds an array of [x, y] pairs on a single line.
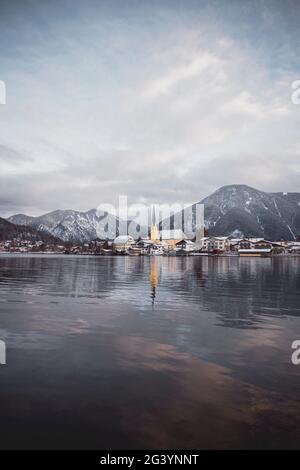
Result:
{"points": [[164, 101]]}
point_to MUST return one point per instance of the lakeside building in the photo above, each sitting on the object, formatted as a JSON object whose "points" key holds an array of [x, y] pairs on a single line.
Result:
{"points": [[257, 244], [294, 249], [144, 244], [170, 238], [185, 246], [215, 243], [123, 242], [241, 244]]}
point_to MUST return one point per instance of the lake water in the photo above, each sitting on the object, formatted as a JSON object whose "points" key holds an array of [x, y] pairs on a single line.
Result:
{"points": [[141, 353]]}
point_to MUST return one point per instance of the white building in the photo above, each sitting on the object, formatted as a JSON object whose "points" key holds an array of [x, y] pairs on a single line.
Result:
{"points": [[123, 242], [215, 243]]}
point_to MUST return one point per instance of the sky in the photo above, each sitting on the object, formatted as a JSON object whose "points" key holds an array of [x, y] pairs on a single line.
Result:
{"points": [[162, 101]]}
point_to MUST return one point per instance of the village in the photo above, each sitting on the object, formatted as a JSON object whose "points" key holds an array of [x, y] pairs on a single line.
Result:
{"points": [[160, 243]]}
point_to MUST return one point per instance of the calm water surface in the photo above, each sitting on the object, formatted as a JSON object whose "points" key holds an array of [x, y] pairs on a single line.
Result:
{"points": [[138, 352]]}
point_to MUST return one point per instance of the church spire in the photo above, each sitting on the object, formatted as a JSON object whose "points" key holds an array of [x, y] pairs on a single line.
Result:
{"points": [[153, 216], [154, 230]]}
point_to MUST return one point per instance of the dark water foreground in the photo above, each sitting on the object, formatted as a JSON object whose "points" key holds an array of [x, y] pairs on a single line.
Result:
{"points": [[149, 352]]}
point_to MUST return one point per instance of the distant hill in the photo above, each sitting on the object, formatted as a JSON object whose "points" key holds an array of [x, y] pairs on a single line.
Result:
{"points": [[8, 231]]}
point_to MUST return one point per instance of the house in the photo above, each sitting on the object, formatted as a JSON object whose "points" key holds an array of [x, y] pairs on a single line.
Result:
{"points": [[241, 243], [266, 244], [295, 249], [262, 244], [169, 238], [277, 247], [156, 249], [185, 245], [145, 245], [123, 242], [215, 243]]}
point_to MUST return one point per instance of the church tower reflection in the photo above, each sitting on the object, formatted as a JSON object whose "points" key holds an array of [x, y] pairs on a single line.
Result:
{"points": [[153, 278]]}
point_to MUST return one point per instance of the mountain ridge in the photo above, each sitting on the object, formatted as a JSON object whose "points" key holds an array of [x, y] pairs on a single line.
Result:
{"points": [[232, 210], [246, 211]]}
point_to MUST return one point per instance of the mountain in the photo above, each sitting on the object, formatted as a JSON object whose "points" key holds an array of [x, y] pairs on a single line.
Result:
{"points": [[71, 225], [239, 210], [242, 210], [235, 210], [9, 231]]}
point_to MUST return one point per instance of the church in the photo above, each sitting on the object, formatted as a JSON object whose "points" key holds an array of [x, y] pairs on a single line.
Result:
{"points": [[168, 238]]}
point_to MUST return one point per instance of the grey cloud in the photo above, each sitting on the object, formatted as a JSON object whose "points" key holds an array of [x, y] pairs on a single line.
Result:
{"points": [[11, 155], [163, 104]]}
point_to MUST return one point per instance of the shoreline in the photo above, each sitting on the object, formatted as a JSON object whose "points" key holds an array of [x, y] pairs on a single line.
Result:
{"points": [[113, 255]]}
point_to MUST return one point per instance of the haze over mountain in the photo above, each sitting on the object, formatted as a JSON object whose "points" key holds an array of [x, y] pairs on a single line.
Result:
{"points": [[235, 210]]}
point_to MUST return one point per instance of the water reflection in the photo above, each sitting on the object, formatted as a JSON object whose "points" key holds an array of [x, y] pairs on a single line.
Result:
{"points": [[262, 287], [153, 278], [149, 352]]}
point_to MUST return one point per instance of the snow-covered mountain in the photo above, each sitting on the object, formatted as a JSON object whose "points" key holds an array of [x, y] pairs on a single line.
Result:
{"points": [[70, 225], [236, 210], [239, 210], [242, 210]]}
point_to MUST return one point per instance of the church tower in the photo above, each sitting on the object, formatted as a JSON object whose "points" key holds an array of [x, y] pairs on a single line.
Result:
{"points": [[154, 235]]}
